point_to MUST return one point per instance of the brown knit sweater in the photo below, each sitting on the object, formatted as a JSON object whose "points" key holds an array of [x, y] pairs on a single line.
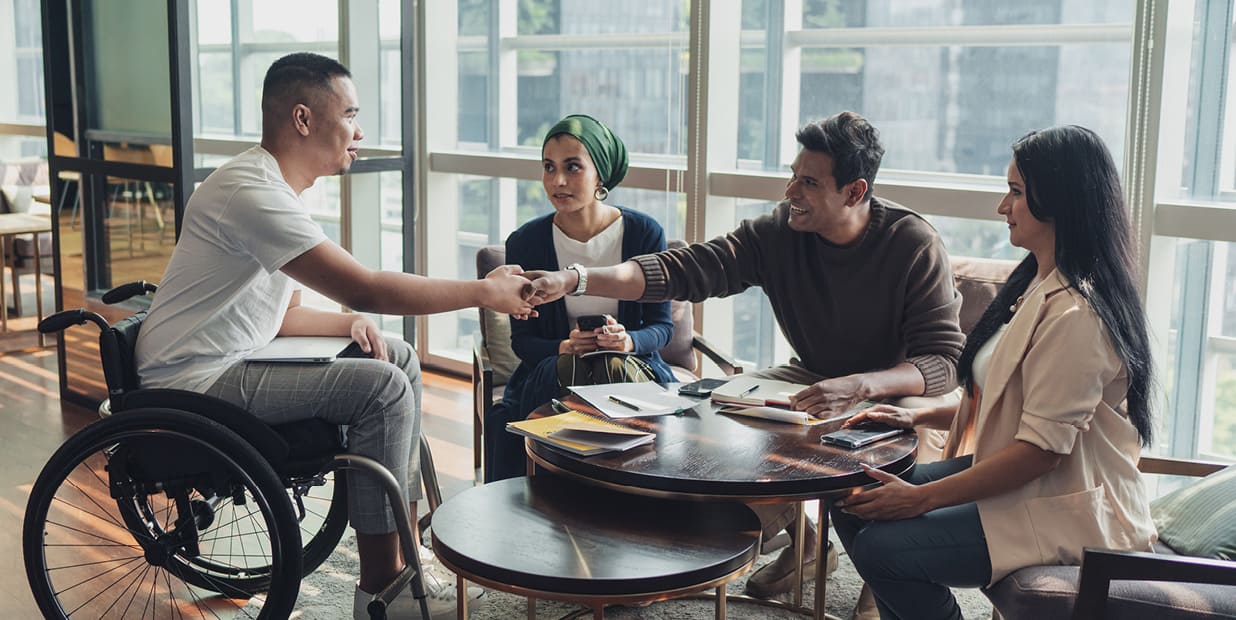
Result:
{"points": [[885, 299]]}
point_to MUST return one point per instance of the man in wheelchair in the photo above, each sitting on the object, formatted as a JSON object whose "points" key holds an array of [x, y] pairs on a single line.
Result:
{"points": [[247, 246]]}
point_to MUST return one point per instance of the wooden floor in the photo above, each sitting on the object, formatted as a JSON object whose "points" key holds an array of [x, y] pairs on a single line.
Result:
{"points": [[36, 422]]}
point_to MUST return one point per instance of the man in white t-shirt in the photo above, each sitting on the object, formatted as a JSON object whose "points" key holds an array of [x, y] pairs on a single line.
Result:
{"points": [[234, 282]]}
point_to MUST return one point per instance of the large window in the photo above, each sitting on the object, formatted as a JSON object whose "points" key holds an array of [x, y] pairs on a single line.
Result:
{"points": [[708, 98]]}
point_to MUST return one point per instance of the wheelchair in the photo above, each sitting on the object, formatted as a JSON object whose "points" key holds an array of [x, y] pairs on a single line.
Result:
{"points": [[180, 505]]}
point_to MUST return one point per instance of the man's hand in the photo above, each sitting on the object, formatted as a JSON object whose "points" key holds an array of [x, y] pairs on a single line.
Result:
{"points": [[507, 291], [830, 396], [365, 333], [894, 499], [896, 417], [613, 336], [551, 285]]}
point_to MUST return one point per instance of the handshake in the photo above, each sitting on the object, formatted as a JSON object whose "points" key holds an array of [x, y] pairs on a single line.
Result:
{"points": [[511, 290]]}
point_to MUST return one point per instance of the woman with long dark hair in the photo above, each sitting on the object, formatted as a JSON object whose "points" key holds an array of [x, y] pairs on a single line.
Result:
{"points": [[1043, 447]]}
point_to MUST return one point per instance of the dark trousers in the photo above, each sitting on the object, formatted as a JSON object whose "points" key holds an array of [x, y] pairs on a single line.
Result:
{"points": [[910, 564]]}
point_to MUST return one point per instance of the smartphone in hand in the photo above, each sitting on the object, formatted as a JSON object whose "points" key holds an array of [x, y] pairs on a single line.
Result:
{"points": [[589, 322]]}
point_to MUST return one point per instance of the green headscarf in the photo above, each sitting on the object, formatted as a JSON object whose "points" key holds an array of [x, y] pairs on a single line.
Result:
{"points": [[608, 153]]}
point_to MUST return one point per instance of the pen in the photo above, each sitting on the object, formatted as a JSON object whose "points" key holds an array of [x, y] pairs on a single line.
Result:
{"points": [[558, 405], [623, 403], [749, 390]]}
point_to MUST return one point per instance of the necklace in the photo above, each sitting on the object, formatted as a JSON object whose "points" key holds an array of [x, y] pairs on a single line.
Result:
{"points": [[1022, 297]]}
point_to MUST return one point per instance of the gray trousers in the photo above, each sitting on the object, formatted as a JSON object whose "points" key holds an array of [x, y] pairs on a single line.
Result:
{"points": [[379, 402], [911, 563]]}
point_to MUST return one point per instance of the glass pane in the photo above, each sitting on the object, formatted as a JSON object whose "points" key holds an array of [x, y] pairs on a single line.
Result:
{"points": [[943, 118], [1221, 440], [214, 78], [283, 21], [957, 108], [127, 67], [638, 93], [214, 23], [976, 238]]}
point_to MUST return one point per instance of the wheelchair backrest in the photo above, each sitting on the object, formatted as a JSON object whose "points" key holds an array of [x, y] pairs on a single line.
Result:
{"points": [[117, 348]]}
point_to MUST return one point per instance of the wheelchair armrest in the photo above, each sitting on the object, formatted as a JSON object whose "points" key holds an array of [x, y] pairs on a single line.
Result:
{"points": [[728, 365], [1101, 566], [255, 431]]}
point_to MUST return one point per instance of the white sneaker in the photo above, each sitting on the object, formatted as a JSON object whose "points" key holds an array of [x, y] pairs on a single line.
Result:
{"points": [[439, 594]]}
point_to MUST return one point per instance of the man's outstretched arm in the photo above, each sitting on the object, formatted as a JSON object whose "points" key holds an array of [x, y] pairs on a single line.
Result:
{"points": [[330, 270], [624, 281]]}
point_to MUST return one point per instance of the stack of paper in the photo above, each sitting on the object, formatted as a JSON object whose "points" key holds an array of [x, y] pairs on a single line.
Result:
{"points": [[633, 400], [580, 433], [754, 391]]}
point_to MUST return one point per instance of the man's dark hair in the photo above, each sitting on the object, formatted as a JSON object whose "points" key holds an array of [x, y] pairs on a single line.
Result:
{"points": [[298, 78], [851, 142]]}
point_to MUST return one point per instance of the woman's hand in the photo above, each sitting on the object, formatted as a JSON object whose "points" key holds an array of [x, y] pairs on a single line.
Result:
{"points": [[365, 333], [896, 417], [894, 499], [613, 336], [578, 342]]}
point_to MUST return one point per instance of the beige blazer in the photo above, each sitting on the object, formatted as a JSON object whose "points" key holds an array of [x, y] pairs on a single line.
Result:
{"points": [[1055, 381]]}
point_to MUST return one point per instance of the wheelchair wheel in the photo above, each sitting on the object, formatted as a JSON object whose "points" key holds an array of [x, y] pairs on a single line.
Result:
{"points": [[325, 517], [150, 513]]}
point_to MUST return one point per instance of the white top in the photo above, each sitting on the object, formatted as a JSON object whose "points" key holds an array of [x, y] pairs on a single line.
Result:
{"points": [[982, 358], [223, 296], [603, 250]]}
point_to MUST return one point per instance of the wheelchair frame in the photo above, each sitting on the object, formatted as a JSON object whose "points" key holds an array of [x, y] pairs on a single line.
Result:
{"points": [[202, 453]]}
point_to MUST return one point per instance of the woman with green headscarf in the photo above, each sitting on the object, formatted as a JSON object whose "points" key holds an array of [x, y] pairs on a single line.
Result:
{"points": [[582, 161]]}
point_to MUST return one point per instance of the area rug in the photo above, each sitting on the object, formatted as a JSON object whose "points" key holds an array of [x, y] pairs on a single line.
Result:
{"points": [[327, 595]]}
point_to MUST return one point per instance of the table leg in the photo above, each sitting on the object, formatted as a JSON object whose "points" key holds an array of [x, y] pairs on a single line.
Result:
{"points": [[821, 558], [4, 303], [800, 533], [461, 598], [720, 611], [38, 284], [531, 608]]}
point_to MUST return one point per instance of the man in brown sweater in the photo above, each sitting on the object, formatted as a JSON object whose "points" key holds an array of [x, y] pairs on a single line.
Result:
{"points": [[861, 288]]}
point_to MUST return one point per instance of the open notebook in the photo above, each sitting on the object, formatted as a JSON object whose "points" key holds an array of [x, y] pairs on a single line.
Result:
{"points": [[301, 349]]}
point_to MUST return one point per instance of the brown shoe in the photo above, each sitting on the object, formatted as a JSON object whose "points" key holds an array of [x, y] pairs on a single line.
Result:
{"points": [[777, 577]]}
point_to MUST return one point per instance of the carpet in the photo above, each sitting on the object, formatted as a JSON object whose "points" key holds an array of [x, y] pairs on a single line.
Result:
{"points": [[327, 595]]}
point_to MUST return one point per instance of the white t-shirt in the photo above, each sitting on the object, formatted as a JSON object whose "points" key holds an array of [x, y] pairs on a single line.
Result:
{"points": [[982, 358], [223, 295], [602, 250]]}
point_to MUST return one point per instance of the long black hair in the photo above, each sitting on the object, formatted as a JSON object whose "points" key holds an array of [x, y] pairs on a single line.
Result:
{"points": [[1072, 181]]}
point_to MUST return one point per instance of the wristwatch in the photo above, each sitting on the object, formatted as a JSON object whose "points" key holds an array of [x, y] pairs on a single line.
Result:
{"points": [[583, 279]]}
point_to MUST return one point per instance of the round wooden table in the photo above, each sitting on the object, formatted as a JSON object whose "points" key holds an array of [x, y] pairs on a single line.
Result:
{"points": [[703, 454]]}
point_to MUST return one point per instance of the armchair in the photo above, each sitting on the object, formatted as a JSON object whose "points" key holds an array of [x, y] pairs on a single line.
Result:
{"points": [[493, 361], [1168, 584]]}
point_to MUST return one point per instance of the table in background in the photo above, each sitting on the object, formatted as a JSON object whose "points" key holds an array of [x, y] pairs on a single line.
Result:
{"points": [[705, 455], [11, 225]]}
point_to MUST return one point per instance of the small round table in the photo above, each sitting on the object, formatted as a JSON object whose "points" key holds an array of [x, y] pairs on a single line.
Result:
{"points": [[706, 455], [560, 539]]}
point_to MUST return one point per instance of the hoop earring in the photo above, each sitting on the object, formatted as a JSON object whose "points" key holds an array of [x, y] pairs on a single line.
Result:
{"points": [[601, 193]]}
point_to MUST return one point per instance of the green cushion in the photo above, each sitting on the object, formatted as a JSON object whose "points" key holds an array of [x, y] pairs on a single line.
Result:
{"points": [[497, 334], [1200, 519]]}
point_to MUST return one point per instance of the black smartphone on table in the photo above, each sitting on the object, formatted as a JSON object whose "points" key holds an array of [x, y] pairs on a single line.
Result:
{"points": [[589, 322], [857, 437], [702, 388]]}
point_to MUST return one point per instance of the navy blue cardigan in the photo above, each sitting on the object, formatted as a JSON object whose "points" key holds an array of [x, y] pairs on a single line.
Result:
{"points": [[649, 324]]}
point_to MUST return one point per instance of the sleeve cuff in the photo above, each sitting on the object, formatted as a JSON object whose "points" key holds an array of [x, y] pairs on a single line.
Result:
{"points": [[1050, 435], [939, 376], [655, 284]]}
